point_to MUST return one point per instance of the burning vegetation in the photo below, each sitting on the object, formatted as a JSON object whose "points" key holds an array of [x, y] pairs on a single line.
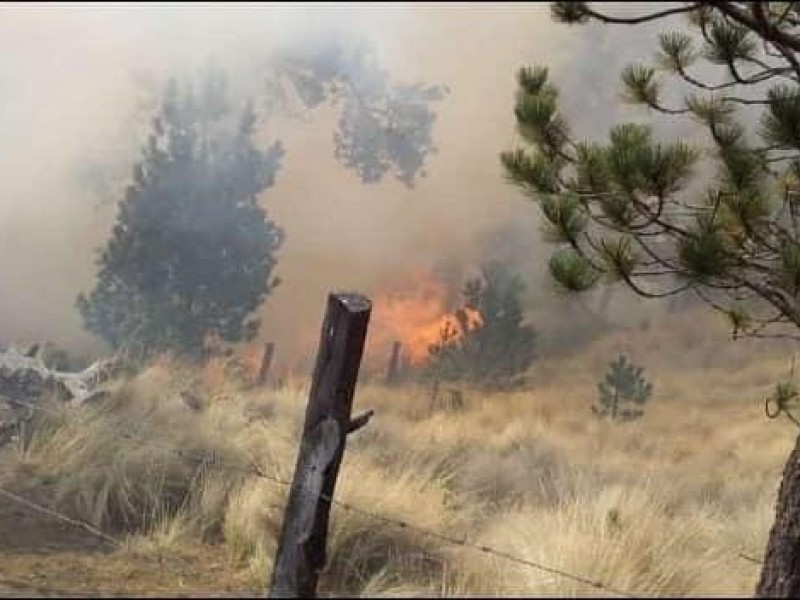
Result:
{"points": [[425, 326], [474, 335], [413, 310], [182, 445]]}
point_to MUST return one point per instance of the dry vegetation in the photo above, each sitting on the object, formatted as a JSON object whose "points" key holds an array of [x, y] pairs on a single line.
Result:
{"points": [[660, 506]]}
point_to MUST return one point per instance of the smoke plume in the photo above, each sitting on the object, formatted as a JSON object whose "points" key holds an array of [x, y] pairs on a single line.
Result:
{"points": [[80, 84]]}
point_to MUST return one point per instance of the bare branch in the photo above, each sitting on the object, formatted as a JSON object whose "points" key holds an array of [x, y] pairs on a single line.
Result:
{"points": [[653, 295], [359, 421], [644, 18], [765, 75]]}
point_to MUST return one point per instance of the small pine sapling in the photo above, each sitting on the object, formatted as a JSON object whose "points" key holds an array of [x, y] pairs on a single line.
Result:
{"points": [[623, 392]]}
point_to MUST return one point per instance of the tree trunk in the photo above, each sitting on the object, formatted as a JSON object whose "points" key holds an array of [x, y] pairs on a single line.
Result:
{"points": [[614, 403], [780, 576]]}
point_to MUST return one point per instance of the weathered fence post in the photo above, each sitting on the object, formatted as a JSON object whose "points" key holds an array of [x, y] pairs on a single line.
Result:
{"points": [[393, 372], [301, 548], [266, 362], [434, 394]]}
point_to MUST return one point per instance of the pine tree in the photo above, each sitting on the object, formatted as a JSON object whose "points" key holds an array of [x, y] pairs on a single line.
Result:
{"points": [[192, 252], [624, 385], [623, 210], [488, 344]]}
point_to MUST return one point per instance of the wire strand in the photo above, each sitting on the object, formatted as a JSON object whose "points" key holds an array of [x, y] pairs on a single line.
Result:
{"points": [[456, 541], [56, 515]]}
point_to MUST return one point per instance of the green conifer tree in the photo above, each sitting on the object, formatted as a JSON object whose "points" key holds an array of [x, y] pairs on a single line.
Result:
{"points": [[623, 391], [488, 344], [192, 251]]}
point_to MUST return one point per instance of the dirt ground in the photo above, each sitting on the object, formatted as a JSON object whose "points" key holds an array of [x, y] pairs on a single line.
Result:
{"points": [[42, 556]]}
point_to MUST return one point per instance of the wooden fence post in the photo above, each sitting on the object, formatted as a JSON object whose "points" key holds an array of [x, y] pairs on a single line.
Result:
{"points": [[393, 372], [301, 548], [266, 362], [434, 394]]}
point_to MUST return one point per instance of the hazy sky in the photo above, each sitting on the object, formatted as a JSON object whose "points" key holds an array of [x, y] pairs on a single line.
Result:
{"points": [[73, 112]]}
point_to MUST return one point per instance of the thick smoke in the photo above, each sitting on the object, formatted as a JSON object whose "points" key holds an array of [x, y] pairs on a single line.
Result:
{"points": [[79, 86]]}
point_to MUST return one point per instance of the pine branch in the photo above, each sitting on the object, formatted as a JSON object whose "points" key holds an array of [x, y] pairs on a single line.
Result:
{"points": [[758, 22], [629, 278], [630, 187], [777, 298], [573, 270]]}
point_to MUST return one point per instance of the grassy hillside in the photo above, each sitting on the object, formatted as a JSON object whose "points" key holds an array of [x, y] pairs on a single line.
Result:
{"points": [[664, 505]]}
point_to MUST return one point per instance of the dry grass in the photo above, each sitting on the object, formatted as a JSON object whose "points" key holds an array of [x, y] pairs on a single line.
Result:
{"points": [[660, 506]]}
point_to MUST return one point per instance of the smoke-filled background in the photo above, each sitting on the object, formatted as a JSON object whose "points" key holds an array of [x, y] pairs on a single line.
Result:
{"points": [[79, 84]]}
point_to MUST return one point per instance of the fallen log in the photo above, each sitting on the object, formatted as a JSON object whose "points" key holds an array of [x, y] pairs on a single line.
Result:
{"points": [[24, 377]]}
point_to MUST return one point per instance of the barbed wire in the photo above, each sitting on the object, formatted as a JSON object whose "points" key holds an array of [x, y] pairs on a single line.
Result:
{"points": [[401, 524], [750, 558], [51, 513], [254, 469], [455, 541], [257, 471]]}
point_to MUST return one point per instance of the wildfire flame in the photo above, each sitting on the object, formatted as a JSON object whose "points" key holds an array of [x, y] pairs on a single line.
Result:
{"points": [[413, 312]]}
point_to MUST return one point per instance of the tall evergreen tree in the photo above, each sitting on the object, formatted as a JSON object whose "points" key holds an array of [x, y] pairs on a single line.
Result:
{"points": [[623, 210], [192, 252]]}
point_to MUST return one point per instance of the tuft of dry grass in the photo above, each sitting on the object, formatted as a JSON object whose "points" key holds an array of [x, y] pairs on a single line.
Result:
{"points": [[660, 506]]}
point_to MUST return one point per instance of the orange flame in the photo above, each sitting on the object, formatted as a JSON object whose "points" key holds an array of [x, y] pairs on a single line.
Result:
{"points": [[413, 312]]}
